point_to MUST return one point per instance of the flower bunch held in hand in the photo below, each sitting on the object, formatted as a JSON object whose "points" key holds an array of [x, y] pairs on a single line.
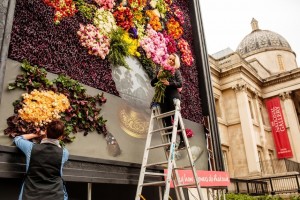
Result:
{"points": [[91, 38], [186, 53], [165, 73]]}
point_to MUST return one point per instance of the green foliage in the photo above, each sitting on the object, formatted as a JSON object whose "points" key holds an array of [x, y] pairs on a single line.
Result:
{"points": [[31, 78], [84, 112], [87, 10], [82, 115], [118, 48], [148, 64], [232, 196]]}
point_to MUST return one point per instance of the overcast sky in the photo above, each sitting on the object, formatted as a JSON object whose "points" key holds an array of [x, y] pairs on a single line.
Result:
{"points": [[227, 22]]}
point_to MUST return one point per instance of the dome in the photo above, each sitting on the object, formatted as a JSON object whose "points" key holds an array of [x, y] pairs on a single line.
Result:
{"points": [[261, 40]]}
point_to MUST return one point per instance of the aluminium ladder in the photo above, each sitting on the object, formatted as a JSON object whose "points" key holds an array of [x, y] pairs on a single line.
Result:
{"points": [[172, 173]]}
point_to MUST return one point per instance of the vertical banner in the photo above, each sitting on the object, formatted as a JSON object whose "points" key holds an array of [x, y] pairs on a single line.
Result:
{"points": [[279, 131]]}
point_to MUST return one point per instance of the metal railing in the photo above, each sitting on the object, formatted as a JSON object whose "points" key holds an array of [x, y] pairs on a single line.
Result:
{"points": [[282, 184], [262, 186], [279, 166], [252, 187]]}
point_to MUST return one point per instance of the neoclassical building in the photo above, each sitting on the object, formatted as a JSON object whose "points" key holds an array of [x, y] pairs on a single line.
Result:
{"points": [[263, 67]]}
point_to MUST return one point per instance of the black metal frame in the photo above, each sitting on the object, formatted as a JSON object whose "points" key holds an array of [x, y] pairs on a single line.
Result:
{"points": [[205, 84]]}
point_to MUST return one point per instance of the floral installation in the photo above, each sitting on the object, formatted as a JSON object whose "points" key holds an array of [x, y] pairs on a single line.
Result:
{"points": [[106, 4], [174, 28], [186, 54], [63, 98], [41, 107], [91, 38], [104, 21], [165, 73], [63, 8], [84, 65], [155, 46], [124, 17]]}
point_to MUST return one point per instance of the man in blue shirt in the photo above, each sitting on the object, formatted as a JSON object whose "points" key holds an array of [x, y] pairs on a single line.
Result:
{"points": [[44, 164]]}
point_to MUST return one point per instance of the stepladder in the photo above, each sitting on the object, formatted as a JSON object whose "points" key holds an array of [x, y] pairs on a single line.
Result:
{"points": [[168, 135]]}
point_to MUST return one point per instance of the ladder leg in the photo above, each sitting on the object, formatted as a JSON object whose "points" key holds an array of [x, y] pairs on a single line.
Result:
{"points": [[145, 158], [174, 175], [191, 160]]}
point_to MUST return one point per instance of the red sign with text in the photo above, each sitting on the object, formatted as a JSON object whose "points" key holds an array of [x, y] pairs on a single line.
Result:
{"points": [[206, 178], [279, 131]]}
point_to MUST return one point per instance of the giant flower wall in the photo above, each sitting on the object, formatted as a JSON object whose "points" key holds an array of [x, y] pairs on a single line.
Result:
{"points": [[85, 39]]}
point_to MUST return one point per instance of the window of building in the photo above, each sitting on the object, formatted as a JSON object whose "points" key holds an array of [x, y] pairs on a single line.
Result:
{"points": [[261, 164], [251, 109], [271, 155], [262, 115], [218, 109], [280, 63], [225, 159]]}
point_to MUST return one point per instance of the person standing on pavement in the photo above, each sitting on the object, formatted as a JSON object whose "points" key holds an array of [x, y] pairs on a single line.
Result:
{"points": [[44, 164]]}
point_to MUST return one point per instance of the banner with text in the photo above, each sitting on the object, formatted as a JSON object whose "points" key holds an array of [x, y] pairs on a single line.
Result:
{"points": [[279, 131], [206, 178]]}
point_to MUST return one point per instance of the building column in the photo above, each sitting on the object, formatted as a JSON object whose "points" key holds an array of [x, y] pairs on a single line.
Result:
{"points": [[293, 124], [247, 128], [262, 129]]}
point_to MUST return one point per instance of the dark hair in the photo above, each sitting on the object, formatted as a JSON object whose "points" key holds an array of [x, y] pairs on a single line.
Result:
{"points": [[55, 129]]}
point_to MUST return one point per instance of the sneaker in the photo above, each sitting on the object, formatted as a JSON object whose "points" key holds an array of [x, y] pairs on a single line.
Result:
{"points": [[181, 145]]}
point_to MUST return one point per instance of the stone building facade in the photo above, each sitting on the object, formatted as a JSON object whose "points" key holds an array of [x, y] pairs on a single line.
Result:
{"points": [[262, 67]]}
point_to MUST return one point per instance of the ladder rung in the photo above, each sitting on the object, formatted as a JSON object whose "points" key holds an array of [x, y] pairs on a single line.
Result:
{"points": [[157, 163], [160, 145], [154, 183], [154, 174], [162, 129], [166, 114], [187, 185], [183, 167], [169, 133]]}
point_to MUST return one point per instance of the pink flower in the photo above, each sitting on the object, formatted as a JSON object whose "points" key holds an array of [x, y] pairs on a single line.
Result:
{"points": [[189, 132]]}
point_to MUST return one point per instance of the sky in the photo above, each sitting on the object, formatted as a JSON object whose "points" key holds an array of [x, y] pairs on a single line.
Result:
{"points": [[227, 22]]}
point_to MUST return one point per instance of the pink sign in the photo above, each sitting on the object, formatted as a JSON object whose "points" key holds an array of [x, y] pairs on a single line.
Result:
{"points": [[206, 178]]}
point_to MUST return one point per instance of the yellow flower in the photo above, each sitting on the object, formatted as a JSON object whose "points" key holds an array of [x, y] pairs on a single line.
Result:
{"points": [[41, 107], [133, 44]]}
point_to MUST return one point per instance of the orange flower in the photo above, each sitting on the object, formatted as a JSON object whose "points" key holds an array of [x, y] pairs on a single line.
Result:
{"points": [[154, 20], [174, 28]]}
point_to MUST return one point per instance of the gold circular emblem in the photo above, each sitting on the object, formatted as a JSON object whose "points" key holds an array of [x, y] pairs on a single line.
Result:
{"points": [[134, 123]]}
